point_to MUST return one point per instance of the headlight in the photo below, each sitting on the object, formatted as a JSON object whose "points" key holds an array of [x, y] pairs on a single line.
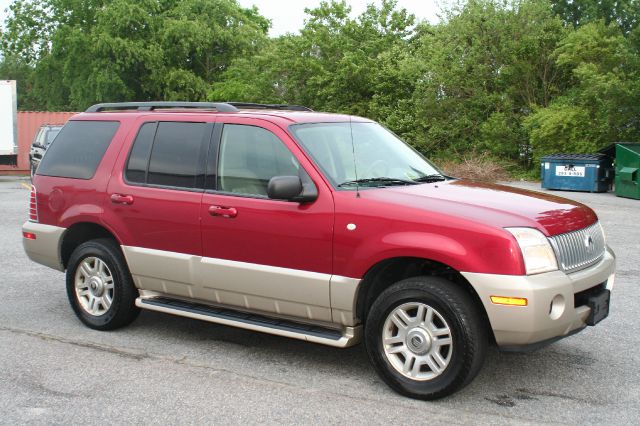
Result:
{"points": [[604, 237], [536, 250]]}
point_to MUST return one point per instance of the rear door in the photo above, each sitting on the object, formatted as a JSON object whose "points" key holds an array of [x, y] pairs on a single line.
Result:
{"points": [[154, 203], [263, 254]]}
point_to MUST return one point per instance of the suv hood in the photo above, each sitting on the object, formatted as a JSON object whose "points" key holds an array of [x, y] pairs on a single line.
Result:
{"points": [[495, 205]]}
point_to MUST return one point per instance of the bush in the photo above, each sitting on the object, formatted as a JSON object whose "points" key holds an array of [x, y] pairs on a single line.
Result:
{"points": [[475, 166]]}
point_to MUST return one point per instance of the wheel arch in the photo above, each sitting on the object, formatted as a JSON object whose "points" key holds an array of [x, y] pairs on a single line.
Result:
{"points": [[79, 233], [389, 271]]}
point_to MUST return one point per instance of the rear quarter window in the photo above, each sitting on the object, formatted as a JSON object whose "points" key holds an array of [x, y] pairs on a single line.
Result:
{"points": [[78, 149]]}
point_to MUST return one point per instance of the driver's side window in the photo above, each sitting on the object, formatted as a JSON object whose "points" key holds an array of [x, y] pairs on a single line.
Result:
{"points": [[249, 157]]}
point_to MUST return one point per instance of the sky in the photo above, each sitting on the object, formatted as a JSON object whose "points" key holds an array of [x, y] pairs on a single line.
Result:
{"points": [[288, 15]]}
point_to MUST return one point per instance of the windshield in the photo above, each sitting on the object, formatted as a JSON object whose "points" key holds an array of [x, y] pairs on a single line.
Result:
{"points": [[51, 135], [375, 158]]}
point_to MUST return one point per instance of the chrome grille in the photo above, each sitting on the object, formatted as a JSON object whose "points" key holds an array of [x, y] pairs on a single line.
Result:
{"points": [[579, 249]]}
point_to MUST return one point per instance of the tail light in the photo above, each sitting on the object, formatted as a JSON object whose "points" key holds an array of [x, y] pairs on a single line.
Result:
{"points": [[33, 205]]}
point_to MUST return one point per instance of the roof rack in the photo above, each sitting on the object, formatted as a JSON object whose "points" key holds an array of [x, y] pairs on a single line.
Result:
{"points": [[150, 106], [218, 106], [250, 105]]}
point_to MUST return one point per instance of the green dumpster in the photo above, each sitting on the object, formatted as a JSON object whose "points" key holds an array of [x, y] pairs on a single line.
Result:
{"points": [[627, 170]]}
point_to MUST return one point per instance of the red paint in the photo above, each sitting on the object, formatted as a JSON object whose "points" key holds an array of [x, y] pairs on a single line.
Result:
{"points": [[271, 232], [457, 223], [29, 122]]}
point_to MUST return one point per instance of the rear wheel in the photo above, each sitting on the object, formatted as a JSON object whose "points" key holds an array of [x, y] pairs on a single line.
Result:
{"points": [[425, 337], [99, 285]]}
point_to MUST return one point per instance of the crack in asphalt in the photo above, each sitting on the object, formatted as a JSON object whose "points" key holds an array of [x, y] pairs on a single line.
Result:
{"points": [[524, 394], [436, 413], [96, 346]]}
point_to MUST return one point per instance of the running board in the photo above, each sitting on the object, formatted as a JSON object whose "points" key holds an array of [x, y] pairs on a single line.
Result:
{"points": [[349, 336]]}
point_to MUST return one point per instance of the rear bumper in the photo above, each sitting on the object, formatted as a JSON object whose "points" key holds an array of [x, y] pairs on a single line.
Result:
{"points": [[531, 326], [45, 249]]}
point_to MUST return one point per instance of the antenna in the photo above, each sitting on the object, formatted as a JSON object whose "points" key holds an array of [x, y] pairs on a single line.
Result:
{"points": [[353, 150]]}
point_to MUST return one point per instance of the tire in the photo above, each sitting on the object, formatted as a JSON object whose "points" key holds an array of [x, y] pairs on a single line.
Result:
{"points": [[441, 364], [99, 285]]}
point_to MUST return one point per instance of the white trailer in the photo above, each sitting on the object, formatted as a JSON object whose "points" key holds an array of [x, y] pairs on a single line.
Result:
{"points": [[8, 122]]}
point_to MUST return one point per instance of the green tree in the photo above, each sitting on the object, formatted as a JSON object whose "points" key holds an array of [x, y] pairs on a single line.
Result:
{"points": [[15, 68], [114, 50], [602, 103], [333, 64], [482, 72], [624, 13], [510, 78]]}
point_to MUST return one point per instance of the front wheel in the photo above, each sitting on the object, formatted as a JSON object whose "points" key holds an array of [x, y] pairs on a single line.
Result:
{"points": [[425, 337], [99, 285]]}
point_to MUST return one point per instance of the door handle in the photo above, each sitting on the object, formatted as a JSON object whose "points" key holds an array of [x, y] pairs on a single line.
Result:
{"points": [[121, 199], [227, 212]]}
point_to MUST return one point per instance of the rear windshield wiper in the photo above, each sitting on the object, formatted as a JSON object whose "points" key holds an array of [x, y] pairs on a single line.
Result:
{"points": [[385, 180], [431, 178]]}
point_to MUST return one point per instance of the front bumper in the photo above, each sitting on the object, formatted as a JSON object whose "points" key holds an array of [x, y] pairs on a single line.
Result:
{"points": [[523, 327]]}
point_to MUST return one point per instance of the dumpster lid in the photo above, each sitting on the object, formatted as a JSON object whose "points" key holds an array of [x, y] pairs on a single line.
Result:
{"points": [[583, 157], [611, 149]]}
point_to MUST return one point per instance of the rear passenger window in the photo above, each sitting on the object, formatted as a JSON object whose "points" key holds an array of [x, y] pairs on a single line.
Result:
{"points": [[169, 154], [78, 149]]}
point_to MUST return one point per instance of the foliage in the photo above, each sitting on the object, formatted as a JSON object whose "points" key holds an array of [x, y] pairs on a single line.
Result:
{"points": [[501, 80], [476, 166], [108, 50], [484, 69], [624, 13], [336, 63], [602, 102]]}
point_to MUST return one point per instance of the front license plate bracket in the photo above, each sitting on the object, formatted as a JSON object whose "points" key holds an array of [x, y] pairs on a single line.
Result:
{"points": [[599, 304]]}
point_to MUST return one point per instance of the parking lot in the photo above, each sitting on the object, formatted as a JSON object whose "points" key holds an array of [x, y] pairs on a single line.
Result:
{"points": [[167, 370]]}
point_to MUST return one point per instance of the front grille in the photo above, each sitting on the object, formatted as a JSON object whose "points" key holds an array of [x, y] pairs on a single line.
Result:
{"points": [[579, 249]]}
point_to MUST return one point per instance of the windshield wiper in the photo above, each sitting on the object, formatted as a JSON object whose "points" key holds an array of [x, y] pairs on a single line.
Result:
{"points": [[431, 178], [386, 180]]}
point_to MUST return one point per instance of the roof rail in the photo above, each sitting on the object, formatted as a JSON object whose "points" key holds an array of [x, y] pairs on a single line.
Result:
{"points": [[250, 105], [150, 106]]}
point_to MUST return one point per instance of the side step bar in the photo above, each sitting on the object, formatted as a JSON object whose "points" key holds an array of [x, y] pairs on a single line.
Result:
{"points": [[349, 336]]}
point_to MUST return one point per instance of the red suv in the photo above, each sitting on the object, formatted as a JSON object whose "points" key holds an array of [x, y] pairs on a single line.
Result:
{"points": [[320, 227]]}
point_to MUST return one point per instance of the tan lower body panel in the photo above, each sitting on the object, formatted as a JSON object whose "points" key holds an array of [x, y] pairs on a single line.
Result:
{"points": [[550, 310], [252, 287], [45, 249]]}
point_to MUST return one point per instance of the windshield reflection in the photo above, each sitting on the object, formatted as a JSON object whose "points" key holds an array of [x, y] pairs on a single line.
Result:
{"points": [[363, 154]]}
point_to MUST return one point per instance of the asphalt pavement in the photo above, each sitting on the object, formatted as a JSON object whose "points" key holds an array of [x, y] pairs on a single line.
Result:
{"points": [[169, 370]]}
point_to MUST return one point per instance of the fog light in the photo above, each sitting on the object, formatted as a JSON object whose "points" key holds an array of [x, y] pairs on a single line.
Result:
{"points": [[29, 235], [512, 301], [556, 309]]}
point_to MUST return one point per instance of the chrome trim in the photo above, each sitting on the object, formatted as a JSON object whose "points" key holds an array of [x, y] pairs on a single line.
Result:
{"points": [[579, 249], [350, 335]]}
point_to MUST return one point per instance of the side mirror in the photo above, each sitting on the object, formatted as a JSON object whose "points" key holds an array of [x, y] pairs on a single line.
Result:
{"points": [[291, 188]]}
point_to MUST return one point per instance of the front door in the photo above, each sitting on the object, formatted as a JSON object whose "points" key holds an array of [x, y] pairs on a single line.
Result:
{"points": [[258, 253]]}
